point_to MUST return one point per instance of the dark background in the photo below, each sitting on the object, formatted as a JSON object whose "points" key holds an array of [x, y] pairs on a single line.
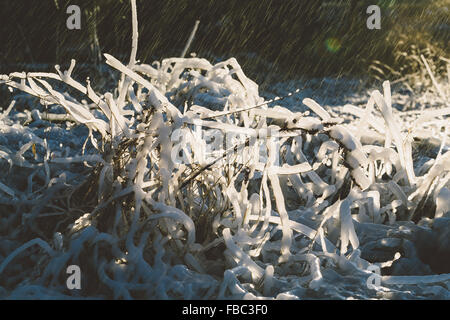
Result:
{"points": [[270, 38]]}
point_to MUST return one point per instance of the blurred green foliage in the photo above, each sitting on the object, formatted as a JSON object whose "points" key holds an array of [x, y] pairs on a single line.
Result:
{"points": [[270, 38]]}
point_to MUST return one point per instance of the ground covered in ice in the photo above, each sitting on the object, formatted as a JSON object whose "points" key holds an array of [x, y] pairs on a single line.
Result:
{"points": [[183, 180], [410, 254]]}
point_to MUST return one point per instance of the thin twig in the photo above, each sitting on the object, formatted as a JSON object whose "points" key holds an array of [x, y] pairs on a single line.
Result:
{"points": [[433, 79], [224, 113], [134, 41], [52, 117], [191, 37], [8, 110]]}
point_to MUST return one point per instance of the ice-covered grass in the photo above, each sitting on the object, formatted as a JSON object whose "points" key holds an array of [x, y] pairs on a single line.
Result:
{"points": [[353, 188]]}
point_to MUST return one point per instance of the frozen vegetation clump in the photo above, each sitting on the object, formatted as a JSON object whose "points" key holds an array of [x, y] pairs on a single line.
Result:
{"points": [[124, 184]]}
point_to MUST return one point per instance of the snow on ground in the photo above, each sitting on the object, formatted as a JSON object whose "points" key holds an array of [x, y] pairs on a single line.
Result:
{"points": [[185, 181], [401, 248]]}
